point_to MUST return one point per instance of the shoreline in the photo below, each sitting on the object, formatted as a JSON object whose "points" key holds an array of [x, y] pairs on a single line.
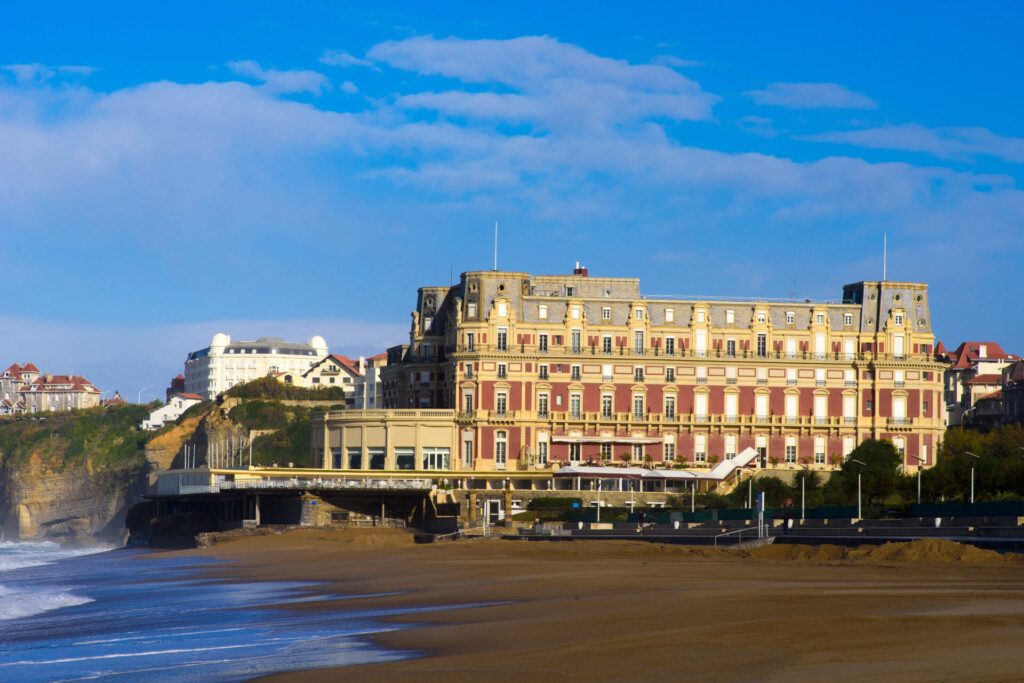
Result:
{"points": [[624, 609]]}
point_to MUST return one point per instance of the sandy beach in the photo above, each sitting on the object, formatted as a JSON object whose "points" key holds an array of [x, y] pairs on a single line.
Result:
{"points": [[606, 610]]}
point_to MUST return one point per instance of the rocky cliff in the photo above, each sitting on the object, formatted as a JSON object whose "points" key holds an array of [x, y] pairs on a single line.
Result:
{"points": [[71, 478]]}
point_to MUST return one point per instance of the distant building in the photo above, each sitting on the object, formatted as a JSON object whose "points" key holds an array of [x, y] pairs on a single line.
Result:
{"points": [[177, 386], [1013, 393], [59, 393], [170, 412], [24, 389], [225, 363], [971, 360], [360, 378], [114, 401]]}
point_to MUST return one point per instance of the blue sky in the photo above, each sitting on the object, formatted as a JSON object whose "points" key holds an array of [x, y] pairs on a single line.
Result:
{"points": [[261, 168]]}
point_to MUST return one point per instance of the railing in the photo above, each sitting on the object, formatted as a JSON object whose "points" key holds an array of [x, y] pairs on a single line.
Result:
{"points": [[739, 533], [356, 482]]}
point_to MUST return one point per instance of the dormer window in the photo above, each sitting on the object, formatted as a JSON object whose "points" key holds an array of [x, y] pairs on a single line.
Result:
{"points": [[790, 317], [542, 311], [730, 317], [761, 317], [820, 318], [670, 315], [638, 314], [847, 319], [700, 316], [899, 318]]}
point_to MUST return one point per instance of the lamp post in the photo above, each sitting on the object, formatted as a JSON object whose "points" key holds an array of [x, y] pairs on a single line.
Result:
{"points": [[972, 473], [599, 499], [140, 393], [920, 465], [863, 465], [750, 490]]}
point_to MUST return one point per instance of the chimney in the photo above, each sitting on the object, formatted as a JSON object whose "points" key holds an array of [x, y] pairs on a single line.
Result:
{"points": [[580, 270]]}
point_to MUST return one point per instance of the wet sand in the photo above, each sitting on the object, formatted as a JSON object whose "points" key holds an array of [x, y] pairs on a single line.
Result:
{"points": [[614, 610]]}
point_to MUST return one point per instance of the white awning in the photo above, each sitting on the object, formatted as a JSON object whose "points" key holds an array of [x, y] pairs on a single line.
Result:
{"points": [[721, 471]]}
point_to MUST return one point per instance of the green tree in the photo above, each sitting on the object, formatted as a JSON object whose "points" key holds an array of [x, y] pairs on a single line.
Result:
{"points": [[880, 474]]}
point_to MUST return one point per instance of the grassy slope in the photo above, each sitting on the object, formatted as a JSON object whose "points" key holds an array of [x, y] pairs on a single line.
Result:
{"points": [[110, 437]]}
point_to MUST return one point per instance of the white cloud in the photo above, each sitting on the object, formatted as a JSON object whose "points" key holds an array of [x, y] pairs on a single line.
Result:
{"points": [[41, 73], [349, 87], [558, 86], [342, 58], [944, 143], [281, 82], [810, 96], [677, 62]]}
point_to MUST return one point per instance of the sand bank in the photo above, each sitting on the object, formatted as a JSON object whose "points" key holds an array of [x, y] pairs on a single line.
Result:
{"points": [[613, 610]]}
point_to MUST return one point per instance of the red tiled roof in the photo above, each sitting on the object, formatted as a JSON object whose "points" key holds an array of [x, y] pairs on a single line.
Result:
{"points": [[994, 396], [29, 367], [969, 352], [349, 364], [190, 397], [985, 379], [1014, 372]]}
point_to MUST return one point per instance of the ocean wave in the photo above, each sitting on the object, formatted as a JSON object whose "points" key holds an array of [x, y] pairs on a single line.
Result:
{"points": [[17, 604], [19, 555]]}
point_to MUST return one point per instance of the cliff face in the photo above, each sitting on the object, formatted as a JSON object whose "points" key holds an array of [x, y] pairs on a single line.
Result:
{"points": [[75, 504], [71, 478]]}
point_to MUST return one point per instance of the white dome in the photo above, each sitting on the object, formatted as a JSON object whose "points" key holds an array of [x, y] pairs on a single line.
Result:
{"points": [[220, 339], [318, 343]]}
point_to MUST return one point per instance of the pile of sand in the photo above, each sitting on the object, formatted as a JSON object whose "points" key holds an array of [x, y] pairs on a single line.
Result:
{"points": [[931, 551]]}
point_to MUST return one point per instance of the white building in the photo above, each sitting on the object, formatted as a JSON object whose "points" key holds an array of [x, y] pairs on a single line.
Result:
{"points": [[359, 378], [225, 363], [170, 412]]}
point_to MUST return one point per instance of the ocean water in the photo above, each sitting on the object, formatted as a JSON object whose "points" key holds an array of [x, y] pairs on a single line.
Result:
{"points": [[115, 616]]}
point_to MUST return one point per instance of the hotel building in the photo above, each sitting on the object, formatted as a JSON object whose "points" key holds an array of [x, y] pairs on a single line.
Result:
{"points": [[225, 363], [508, 372]]}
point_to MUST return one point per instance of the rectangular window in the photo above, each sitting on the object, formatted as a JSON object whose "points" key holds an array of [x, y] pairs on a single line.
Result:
{"points": [[790, 451], [700, 447], [376, 456], [542, 311], [542, 371], [467, 453], [336, 459], [638, 314], [762, 345], [670, 315], [606, 313], [670, 345], [670, 374], [574, 405], [542, 453], [502, 371], [606, 405], [405, 458], [470, 341], [730, 446], [790, 317], [471, 310], [701, 317], [575, 313], [574, 373], [606, 344], [501, 403], [899, 318], [820, 317], [638, 406], [355, 458], [503, 339], [575, 453], [730, 347], [500, 449], [638, 452], [819, 450], [847, 319], [638, 374], [670, 406], [467, 402], [730, 317], [670, 452], [575, 341], [542, 405], [638, 342], [542, 342], [700, 406], [606, 451]]}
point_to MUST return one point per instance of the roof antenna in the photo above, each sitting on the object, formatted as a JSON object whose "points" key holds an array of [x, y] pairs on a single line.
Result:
{"points": [[885, 240], [495, 245]]}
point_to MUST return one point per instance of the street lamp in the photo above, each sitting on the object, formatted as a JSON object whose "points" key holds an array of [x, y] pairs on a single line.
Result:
{"points": [[972, 473], [863, 465], [140, 393], [920, 464]]}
